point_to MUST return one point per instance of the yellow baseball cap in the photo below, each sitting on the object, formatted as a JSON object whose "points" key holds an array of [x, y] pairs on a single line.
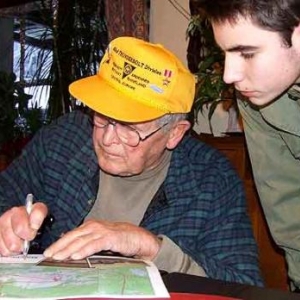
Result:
{"points": [[137, 81]]}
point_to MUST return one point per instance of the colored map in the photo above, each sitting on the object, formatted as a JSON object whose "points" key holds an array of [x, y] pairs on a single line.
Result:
{"points": [[113, 278]]}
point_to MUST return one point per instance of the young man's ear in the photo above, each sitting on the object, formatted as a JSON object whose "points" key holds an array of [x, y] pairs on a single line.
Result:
{"points": [[177, 132], [296, 38]]}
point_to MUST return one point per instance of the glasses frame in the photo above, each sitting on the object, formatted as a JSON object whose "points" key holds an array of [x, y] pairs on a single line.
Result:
{"points": [[140, 139]]}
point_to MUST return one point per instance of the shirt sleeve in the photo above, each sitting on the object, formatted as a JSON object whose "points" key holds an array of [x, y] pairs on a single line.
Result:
{"points": [[171, 258], [201, 207], [20, 178]]}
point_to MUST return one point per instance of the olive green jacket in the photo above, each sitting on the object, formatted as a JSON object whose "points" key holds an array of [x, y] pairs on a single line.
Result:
{"points": [[273, 140]]}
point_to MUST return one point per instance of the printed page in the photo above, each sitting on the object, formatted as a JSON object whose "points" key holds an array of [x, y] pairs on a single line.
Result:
{"points": [[95, 277], [20, 259]]}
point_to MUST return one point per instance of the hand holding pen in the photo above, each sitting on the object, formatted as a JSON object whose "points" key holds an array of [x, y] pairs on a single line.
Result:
{"points": [[20, 223]]}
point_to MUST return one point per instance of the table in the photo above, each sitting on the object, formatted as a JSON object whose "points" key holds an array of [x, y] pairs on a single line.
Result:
{"points": [[183, 283], [174, 296]]}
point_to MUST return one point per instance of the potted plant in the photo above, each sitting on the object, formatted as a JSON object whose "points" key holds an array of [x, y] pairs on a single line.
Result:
{"points": [[206, 61], [18, 122]]}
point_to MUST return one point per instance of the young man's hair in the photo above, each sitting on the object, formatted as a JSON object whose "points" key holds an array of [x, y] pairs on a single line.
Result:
{"points": [[280, 16]]}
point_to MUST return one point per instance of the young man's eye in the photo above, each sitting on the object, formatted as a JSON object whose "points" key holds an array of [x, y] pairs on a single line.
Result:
{"points": [[246, 55]]}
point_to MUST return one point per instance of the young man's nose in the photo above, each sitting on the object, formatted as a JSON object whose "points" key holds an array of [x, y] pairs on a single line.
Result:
{"points": [[232, 72]]}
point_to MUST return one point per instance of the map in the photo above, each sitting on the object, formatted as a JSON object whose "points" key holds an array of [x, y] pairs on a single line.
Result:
{"points": [[94, 277]]}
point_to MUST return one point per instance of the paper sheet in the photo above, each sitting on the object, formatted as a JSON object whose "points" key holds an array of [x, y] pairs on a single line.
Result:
{"points": [[20, 259]]}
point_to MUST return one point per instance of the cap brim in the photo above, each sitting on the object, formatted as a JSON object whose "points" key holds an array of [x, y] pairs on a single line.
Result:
{"points": [[101, 97]]}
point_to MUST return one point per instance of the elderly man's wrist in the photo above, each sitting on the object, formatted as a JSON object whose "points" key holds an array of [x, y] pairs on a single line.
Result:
{"points": [[159, 240], [151, 254]]}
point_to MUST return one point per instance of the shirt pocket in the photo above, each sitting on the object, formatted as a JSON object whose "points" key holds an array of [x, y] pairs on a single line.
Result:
{"points": [[293, 143]]}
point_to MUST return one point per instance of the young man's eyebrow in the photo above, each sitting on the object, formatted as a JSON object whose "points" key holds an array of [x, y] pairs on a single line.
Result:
{"points": [[241, 48]]}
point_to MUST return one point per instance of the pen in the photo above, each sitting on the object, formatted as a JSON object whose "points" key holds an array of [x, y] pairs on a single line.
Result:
{"points": [[28, 205]]}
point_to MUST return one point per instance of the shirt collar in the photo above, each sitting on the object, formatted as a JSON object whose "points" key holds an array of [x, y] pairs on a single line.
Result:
{"points": [[284, 113]]}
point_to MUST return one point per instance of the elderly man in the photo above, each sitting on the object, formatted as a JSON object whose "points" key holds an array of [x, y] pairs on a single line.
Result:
{"points": [[126, 180]]}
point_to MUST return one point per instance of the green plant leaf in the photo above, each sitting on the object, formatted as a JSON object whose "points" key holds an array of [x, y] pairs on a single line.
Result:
{"points": [[210, 87]]}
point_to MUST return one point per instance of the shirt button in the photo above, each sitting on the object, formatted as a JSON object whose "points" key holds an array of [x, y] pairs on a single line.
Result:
{"points": [[90, 202]]}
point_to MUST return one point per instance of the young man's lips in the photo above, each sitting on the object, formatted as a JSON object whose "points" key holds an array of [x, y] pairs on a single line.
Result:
{"points": [[247, 93]]}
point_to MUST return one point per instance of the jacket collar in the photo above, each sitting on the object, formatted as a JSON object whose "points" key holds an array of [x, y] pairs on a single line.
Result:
{"points": [[284, 113]]}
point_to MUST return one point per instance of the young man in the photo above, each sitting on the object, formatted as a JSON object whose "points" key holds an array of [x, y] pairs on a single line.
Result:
{"points": [[261, 42], [127, 180]]}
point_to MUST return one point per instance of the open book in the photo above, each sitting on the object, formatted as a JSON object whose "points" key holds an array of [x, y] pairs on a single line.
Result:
{"points": [[95, 277]]}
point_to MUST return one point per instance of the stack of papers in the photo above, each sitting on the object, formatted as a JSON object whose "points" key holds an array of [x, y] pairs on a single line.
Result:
{"points": [[95, 277]]}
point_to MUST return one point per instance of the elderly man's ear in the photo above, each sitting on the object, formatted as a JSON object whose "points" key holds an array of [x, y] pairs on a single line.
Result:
{"points": [[177, 132]]}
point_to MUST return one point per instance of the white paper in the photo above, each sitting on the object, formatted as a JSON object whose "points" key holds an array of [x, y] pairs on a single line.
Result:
{"points": [[20, 259]]}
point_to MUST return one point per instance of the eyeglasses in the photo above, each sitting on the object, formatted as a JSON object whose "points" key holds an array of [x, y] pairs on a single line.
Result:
{"points": [[127, 134]]}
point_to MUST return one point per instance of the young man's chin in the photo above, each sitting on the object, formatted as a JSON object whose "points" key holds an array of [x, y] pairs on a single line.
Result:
{"points": [[260, 102]]}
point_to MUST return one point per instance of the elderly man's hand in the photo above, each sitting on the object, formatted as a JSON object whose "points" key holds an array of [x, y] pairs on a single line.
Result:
{"points": [[94, 236], [16, 226]]}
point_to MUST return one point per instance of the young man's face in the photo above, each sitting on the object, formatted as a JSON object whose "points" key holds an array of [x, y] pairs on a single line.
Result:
{"points": [[258, 62]]}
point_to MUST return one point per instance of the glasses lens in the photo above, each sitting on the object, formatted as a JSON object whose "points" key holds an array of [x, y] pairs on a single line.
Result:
{"points": [[127, 134], [100, 121]]}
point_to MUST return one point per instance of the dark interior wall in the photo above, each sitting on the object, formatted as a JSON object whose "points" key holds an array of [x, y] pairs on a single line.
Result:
{"points": [[9, 3]]}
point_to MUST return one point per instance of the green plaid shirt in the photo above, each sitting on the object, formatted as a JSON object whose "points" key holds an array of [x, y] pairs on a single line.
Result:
{"points": [[200, 206]]}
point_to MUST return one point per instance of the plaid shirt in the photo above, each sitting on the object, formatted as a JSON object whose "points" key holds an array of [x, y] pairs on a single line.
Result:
{"points": [[200, 206]]}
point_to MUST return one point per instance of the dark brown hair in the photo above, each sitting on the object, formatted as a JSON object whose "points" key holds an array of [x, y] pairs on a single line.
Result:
{"points": [[280, 16]]}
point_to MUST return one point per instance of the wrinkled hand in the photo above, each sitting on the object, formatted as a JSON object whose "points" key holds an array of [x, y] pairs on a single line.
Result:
{"points": [[16, 226], [94, 236]]}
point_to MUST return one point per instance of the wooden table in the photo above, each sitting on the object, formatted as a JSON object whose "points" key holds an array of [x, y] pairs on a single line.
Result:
{"points": [[173, 296]]}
